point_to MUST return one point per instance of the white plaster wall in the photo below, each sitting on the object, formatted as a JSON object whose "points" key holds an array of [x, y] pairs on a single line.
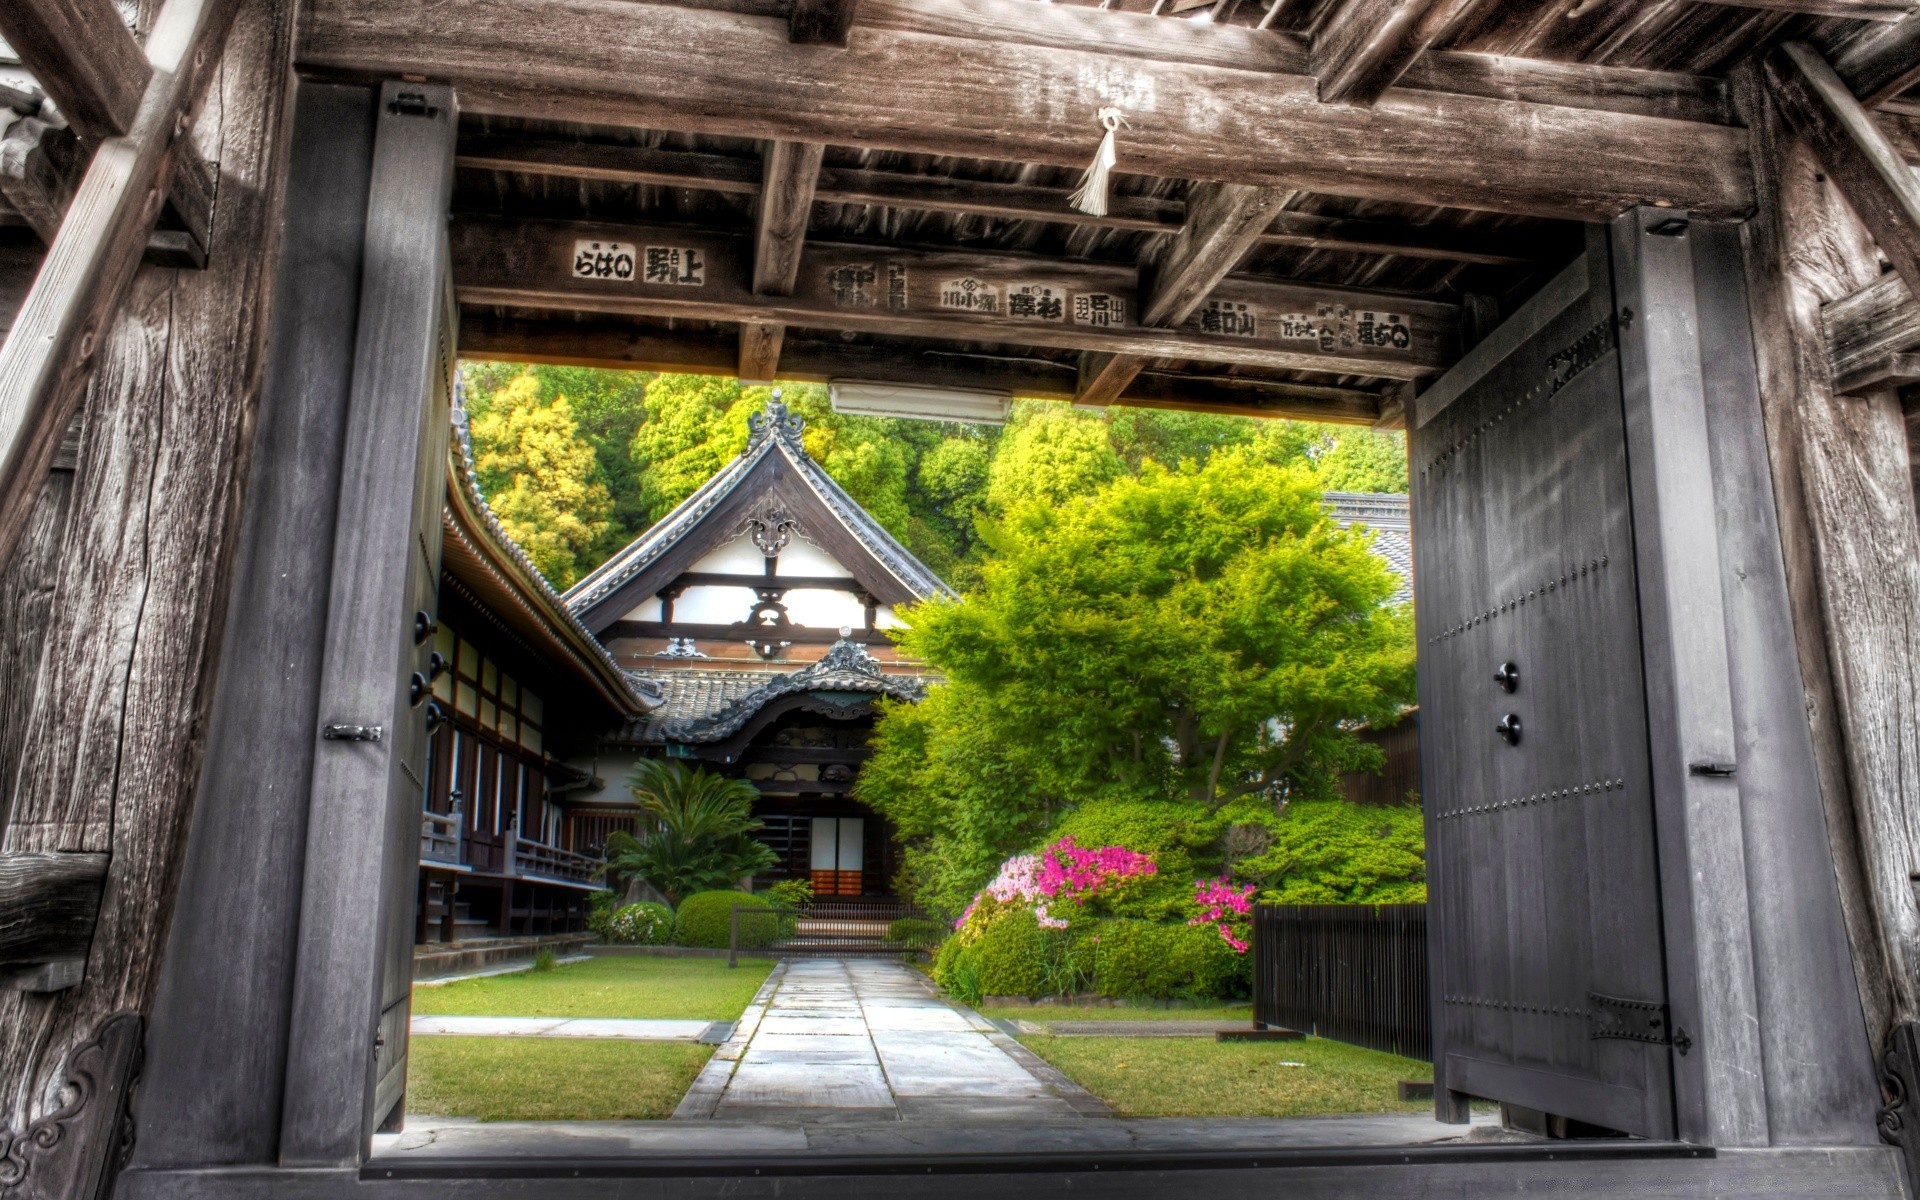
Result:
{"points": [[613, 766], [824, 609], [802, 557], [737, 557], [646, 610], [707, 605]]}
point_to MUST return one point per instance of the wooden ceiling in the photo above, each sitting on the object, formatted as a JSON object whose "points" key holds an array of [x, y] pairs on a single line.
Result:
{"points": [[1318, 203]]}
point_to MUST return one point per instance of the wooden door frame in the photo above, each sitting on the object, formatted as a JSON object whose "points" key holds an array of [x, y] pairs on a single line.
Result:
{"points": [[1759, 977], [196, 1094]]}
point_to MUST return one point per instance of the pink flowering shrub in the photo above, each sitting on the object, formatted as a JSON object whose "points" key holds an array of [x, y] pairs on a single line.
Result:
{"points": [[1225, 907], [1061, 872]]}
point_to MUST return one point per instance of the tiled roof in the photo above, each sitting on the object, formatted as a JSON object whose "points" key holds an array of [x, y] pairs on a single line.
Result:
{"points": [[1390, 518], [701, 706]]}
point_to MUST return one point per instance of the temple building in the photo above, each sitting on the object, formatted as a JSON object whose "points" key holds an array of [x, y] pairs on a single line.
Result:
{"points": [[519, 688], [757, 613]]}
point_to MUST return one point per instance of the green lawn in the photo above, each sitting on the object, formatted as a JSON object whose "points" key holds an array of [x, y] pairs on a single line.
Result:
{"points": [[610, 986], [549, 1079], [1040, 1014], [1199, 1077], [573, 1079]]}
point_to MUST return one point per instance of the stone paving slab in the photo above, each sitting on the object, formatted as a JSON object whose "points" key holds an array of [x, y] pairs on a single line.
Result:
{"points": [[837, 1041], [623, 1029], [948, 1127], [814, 1085]]}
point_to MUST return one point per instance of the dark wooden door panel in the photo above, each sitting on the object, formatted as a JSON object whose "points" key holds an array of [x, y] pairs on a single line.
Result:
{"points": [[1542, 870]]}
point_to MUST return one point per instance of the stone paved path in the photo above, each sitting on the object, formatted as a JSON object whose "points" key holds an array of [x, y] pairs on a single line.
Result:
{"points": [[865, 1040]]}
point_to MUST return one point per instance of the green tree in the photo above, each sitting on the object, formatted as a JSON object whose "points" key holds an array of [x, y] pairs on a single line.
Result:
{"points": [[541, 479], [698, 834], [1050, 452], [1360, 460], [1204, 634]]}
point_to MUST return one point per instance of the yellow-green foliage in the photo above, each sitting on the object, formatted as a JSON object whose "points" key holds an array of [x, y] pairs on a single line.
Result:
{"points": [[1336, 852], [1162, 961], [541, 479]]}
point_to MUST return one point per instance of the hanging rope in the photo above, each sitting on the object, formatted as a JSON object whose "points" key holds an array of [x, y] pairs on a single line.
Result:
{"points": [[1091, 198]]}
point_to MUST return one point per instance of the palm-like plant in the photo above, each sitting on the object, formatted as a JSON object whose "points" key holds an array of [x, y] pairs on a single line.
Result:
{"points": [[698, 831]]}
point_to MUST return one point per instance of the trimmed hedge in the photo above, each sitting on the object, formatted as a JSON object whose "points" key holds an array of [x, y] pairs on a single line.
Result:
{"points": [[703, 919], [1143, 959], [918, 933], [1124, 959], [642, 924]]}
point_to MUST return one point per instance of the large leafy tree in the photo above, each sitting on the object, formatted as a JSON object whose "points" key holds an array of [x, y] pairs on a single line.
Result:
{"points": [[1203, 634], [697, 834], [541, 478]]}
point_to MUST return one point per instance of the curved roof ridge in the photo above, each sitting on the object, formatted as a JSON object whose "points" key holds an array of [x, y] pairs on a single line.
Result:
{"points": [[777, 428]]}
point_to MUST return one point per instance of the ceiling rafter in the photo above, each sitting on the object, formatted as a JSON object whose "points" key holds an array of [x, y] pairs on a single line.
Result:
{"points": [[1363, 47], [790, 172], [1012, 201], [1223, 222]]}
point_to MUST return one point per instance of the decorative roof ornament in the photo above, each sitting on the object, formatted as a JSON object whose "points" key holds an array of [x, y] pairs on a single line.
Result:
{"points": [[772, 530], [847, 655], [776, 422], [845, 668]]}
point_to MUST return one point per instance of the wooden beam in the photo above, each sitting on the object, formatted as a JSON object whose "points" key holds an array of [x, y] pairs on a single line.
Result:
{"points": [[759, 356], [1017, 299], [628, 347], [665, 66], [789, 173], [1876, 182], [40, 166], [1012, 201], [820, 22], [1868, 331], [1364, 46], [1879, 61], [51, 348], [83, 55], [1223, 222], [1858, 10], [48, 904]]}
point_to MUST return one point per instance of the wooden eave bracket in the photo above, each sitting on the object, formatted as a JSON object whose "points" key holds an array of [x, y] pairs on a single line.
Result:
{"points": [[40, 168], [1872, 336], [49, 902]]}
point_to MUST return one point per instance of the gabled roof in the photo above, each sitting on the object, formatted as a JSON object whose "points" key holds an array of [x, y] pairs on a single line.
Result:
{"points": [[479, 553], [703, 706], [774, 481]]}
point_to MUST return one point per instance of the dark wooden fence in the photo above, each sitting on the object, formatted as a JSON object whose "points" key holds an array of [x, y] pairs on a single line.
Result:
{"points": [[1351, 972]]}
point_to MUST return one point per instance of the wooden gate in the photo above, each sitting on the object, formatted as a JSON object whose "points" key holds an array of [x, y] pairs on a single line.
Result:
{"points": [[346, 1073], [1548, 969]]}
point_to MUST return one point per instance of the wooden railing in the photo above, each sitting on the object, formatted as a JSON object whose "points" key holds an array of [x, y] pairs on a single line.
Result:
{"points": [[533, 858], [1351, 972], [440, 837]]}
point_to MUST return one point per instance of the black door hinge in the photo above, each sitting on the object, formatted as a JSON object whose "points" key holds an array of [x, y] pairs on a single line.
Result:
{"points": [[1627, 1020]]}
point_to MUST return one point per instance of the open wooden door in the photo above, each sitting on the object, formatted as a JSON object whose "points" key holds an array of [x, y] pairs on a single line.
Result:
{"points": [[1549, 982], [346, 1069]]}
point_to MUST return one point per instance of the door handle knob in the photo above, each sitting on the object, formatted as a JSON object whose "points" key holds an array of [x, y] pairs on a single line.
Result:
{"points": [[1507, 676], [1509, 729]]}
